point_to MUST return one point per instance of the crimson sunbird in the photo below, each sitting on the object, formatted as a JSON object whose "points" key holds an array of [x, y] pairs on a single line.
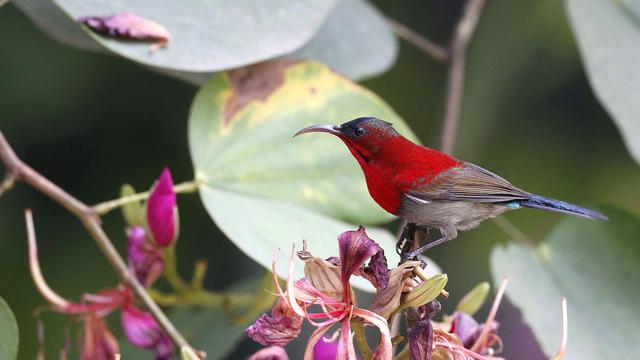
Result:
{"points": [[429, 188]]}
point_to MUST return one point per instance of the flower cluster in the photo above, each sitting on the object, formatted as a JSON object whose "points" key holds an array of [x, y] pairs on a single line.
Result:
{"points": [[325, 299], [146, 236]]}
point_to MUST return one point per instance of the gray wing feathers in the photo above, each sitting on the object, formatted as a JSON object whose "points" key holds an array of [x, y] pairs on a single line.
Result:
{"points": [[469, 183]]}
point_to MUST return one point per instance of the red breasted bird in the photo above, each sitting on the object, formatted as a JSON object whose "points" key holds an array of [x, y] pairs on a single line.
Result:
{"points": [[430, 188]]}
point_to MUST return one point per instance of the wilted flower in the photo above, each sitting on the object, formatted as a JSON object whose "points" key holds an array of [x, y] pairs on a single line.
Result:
{"points": [[162, 214], [326, 285], [142, 330], [278, 329], [145, 259]]}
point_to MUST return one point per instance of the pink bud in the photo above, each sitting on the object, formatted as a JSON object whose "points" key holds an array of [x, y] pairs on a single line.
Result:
{"points": [[142, 330], [145, 259], [325, 349], [162, 214]]}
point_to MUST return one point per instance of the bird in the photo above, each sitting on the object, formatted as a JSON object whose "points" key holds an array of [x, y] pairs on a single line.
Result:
{"points": [[429, 188]]}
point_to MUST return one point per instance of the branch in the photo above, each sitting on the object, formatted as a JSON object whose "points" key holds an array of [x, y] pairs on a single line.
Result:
{"points": [[455, 79], [428, 47], [24, 173]]}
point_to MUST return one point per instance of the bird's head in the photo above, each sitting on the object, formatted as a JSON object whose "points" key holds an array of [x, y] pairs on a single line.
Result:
{"points": [[365, 136]]}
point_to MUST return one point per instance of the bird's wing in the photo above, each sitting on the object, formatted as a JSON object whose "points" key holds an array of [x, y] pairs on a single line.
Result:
{"points": [[464, 183]]}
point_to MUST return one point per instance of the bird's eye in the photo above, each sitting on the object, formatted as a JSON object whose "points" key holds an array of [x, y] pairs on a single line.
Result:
{"points": [[359, 131]]}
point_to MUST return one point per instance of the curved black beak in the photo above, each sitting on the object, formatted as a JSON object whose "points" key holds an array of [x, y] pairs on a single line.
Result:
{"points": [[331, 129]]}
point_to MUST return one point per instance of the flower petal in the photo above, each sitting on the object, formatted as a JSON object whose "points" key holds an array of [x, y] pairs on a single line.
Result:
{"points": [[270, 353], [387, 300], [98, 342], [323, 276], [355, 248], [377, 271], [346, 350], [145, 259], [142, 330], [313, 340], [421, 340], [384, 350], [278, 329], [162, 214]]}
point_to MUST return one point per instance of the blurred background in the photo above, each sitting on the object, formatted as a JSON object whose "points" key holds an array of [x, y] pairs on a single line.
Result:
{"points": [[91, 122]]}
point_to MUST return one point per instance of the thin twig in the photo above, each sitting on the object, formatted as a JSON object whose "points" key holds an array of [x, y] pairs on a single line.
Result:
{"points": [[34, 265], [24, 173], [455, 78], [428, 47]]}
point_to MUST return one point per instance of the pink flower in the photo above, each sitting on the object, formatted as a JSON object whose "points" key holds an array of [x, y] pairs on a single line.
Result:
{"points": [[145, 259], [327, 286], [162, 214], [142, 330]]}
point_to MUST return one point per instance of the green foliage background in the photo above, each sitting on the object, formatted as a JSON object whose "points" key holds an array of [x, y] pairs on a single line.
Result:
{"points": [[91, 122]]}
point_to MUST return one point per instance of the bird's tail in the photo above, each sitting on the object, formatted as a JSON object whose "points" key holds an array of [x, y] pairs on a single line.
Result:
{"points": [[541, 202]]}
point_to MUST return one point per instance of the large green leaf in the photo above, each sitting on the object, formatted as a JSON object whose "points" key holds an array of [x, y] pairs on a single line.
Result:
{"points": [[265, 189], [608, 34], [207, 37], [596, 265], [8, 332]]}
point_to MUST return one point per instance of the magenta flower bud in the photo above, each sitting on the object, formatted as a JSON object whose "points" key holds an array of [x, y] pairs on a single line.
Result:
{"points": [[162, 214], [325, 349], [142, 330], [145, 259]]}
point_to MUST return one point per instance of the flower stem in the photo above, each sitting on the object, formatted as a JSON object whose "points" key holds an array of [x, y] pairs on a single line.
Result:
{"points": [[171, 271], [361, 341], [201, 298], [107, 206]]}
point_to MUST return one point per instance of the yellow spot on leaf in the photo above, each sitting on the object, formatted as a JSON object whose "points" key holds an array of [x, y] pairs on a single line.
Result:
{"points": [[313, 194]]}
